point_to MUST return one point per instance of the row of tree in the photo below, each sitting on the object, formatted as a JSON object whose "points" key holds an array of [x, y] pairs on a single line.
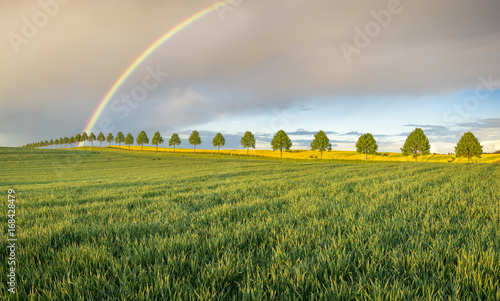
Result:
{"points": [[416, 143]]}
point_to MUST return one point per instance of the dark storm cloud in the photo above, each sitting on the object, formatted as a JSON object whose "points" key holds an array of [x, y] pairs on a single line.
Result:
{"points": [[263, 54]]}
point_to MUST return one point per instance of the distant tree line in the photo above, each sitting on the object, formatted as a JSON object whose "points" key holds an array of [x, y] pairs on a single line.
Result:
{"points": [[416, 143]]}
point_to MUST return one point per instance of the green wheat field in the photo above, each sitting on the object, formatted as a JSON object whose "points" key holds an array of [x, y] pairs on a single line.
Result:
{"points": [[127, 225]]}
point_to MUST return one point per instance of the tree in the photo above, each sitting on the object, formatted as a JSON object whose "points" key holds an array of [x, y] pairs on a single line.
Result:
{"points": [[157, 139], [129, 140], [366, 145], [84, 138], [61, 141], [219, 141], [119, 139], [142, 138], [91, 139], [51, 142], [46, 143], [110, 138], [321, 143], [77, 139], [248, 140], [66, 140], [416, 144], [71, 141], [468, 146], [100, 138], [281, 141], [195, 139], [174, 140], [56, 142]]}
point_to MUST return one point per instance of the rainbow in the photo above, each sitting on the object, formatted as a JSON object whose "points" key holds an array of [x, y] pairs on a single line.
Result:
{"points": [[131, 68]]}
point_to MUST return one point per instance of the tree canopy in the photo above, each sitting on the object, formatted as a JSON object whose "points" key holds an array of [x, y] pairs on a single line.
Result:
{"points": [[321, 143], [248, 140], [195, 139], [416, 144], [157, 139], [84, 138], [110, 138], [91, 138], [468, 146], [281, 142], [366, 145], [100, 138], [129, 140], [119, 139], [174, 140], [77, 138], [219, 141], [142, 138]]}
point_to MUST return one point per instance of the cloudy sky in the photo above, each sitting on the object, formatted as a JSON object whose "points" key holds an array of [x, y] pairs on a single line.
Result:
{"points": [[346, 67]]}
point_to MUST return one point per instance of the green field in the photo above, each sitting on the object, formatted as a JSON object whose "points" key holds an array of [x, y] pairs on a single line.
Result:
{"points": [[131, 225]]}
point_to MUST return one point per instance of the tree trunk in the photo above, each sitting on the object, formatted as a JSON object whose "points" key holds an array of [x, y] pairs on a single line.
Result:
{"points": [[218, 149], [142, 146], [321, 154], [366, 156], [468, 158], [281, 153], [157, 147], [416, 157], [174, 148], [195, 148], [247, 150]]}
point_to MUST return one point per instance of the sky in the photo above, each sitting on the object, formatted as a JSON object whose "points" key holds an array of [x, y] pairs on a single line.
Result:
{"points": [[346, 67]]}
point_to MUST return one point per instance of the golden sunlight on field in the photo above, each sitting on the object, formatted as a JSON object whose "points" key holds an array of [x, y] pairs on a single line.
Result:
{"points": [[334, 155]]}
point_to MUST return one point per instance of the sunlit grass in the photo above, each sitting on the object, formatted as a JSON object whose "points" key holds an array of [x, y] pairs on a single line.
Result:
{"points": [[127, 225]]}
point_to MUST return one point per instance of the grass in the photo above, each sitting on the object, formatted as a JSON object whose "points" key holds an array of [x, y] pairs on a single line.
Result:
{"points": [[331, 155], [128, 225]]}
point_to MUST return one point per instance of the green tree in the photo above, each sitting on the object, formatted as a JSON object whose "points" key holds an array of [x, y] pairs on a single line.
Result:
{"points": [[281, 141], [416, 144], [157, 139], [91, 139], [321, 143], [56, 142], [119, 139], [77, 139], [61, 141], [248, 140], [110, 138], [129, 140], [66, 140], [195, 139], [174, 140], [46, 143], [219, 141], [100, 138], [51, 142], [366, 145], [468, 146], [84, 138], [71, 141], [142, 138]]}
